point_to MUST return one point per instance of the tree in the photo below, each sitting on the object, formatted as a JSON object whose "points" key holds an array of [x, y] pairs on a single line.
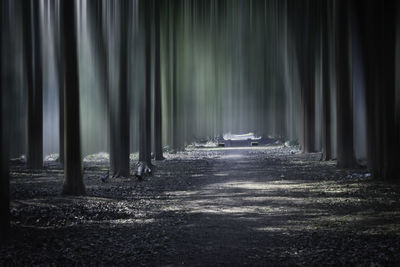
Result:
{"points": [[326, 107], [73, 179], [60, 74], [4, 178], [124, 101], [33, 63], [145, 104], [344, 111], [303, 16], [158, 153], [174, 101], [377, 25], [99, 35], [119, 156]]}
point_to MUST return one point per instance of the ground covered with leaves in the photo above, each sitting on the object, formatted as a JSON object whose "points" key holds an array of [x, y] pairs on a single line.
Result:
{"points": [[238, 206]]}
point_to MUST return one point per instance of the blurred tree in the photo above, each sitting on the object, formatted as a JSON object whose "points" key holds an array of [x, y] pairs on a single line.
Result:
{"points": [[344, 94], [33, 65], [4, 178], [119, 110], [158, 153], [377, 25], [145, 103], [60, 73], [303, 14], [174, 101], [73, 178], [124, 100], [326, 7]]}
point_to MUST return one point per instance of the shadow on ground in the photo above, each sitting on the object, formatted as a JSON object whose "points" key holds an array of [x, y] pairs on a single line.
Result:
{"points": [[266, 205]]}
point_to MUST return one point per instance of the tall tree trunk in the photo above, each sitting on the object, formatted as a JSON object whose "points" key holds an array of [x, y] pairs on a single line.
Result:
{"points": [[377, 22], [118, 104], [60, 73], [175, 141], [4, 179], [145, 105], [73, 179], [158, 153], [123, 120], [95, 17], [33, 63], [167, 69], [303, 22], [326, 107], [344, 111]]}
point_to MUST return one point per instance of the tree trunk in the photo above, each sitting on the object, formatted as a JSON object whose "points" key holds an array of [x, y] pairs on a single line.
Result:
{"points": [[344, 111], [60, 73], [73, 179], [158, 153], [123, 123], [326, 107], [119, 107], [4, 179], [95, 18], [377, 22], [303, 19], [145, 105], [175, 145], [33, 64]]}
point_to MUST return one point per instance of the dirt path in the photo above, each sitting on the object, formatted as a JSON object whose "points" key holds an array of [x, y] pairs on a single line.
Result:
{"points": [[262, 206]]}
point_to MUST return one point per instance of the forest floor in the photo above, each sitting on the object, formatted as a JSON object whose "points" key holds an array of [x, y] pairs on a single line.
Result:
{"points": [[206, 207]]}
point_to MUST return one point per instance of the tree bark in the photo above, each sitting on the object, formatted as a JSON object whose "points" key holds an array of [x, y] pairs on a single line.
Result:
{"points": [[175, 145], [303, 26], [33, 65], [158, 153], [377, 25], [326, 107], [123, 123], [145, 105], [344, 110], [4, 178], [60, 73], [118, 102], [73, 179], [98, 32]]}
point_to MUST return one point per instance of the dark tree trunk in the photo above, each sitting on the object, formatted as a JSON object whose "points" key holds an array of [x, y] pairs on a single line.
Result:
{"points": [[4, 179], [281, 112], [145, 105], [326, 107], [73, 179], [303, 19], [123, 112], [174, 116], [61, 114], [167, 41], [377, 22], [118, 108], [158, 153], [344, 111], [60, 73], [33, 65]]}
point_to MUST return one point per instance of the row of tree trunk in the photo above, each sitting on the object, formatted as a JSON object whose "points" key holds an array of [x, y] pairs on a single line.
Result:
{"points": [[374, 23], [118, 110]]}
